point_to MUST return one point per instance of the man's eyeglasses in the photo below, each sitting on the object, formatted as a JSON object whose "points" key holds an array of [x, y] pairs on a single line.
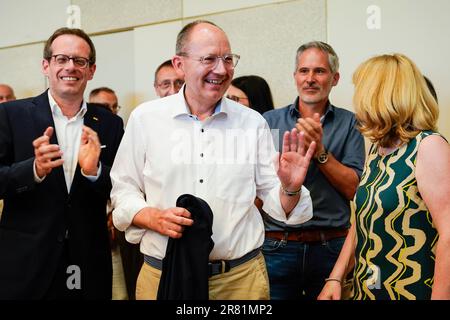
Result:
{"points": [[177, 84], [62, 59], [236, 98], [211, 60]]}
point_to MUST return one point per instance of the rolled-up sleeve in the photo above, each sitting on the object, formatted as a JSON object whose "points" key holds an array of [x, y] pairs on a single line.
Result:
{"points": [[302, 212], [127, 194], [268, 184]]}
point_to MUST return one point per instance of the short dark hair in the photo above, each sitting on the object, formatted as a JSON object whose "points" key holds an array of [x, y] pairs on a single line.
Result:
{"points": [[96, 91], [167, 63], [183, 35], [72, 31], [257, 91], [333, 59]]}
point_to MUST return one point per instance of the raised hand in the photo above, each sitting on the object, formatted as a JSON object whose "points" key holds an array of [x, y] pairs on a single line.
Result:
{"points": [[47, 156], [89, 153], [312, 128], [294, 160]]}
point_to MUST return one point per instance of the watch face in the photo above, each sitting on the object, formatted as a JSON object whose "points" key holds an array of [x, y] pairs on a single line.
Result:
{"points": [[323, 157]]}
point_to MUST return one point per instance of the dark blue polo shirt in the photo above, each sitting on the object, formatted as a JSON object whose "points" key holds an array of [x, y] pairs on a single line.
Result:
{"points": [[345, 142]]}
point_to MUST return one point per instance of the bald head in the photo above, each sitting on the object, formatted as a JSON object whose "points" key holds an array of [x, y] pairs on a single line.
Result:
{"points": [[205, 60], [184, 34], [6, 93]]}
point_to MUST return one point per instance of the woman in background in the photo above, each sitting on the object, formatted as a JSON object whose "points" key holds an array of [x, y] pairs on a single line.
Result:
{"points": [[399, 243], [251, 91]]}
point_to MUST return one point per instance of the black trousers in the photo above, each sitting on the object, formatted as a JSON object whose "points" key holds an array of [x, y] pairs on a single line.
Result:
{"points": [[59, 288]]}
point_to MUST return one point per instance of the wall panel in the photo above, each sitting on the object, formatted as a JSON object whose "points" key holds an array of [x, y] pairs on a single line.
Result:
{"points": [[267, 38], [21, 69], [104, 15], [418, 28]]}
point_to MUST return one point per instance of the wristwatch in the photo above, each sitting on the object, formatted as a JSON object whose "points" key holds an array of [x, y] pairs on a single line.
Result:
{"points": [[322, 157]]}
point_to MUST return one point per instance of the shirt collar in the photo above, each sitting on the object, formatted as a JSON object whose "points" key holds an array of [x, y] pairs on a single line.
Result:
{"points": [[293, 110], [56, 110], [181, 107]]}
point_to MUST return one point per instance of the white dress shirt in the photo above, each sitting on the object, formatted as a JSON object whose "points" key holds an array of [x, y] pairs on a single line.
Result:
{"points": [[68, 133], [226, 160]]}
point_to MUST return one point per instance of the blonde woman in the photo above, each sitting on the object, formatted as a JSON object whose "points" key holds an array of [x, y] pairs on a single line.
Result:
{"points": [[399, 243]]}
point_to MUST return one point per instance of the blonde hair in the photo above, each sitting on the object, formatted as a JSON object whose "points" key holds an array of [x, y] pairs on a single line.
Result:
{"points": [[392, 101]]}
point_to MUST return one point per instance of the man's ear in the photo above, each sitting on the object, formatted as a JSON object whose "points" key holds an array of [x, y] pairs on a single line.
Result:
{"points": [[44, 67], [178, 65], [336, 78], [92, 69]]}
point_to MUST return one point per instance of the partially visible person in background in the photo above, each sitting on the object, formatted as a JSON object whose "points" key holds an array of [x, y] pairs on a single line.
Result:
{"points": [[399, 242], [251, 91], [126, 257], [431, 88], [299, 258], [105, 97], [167, 80], [6, 93]]}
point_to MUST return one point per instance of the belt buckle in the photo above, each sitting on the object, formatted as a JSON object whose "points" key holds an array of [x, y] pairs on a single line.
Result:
{"points": [[285, 237], [219, 267], [223, 265]]}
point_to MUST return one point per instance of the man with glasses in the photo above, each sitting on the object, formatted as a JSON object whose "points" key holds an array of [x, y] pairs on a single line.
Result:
{"points": [[167, 80], [106, 97], [126, 257], [199, 143], [55, 156]]}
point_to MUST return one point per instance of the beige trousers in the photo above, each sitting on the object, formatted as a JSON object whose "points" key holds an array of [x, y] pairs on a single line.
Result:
{"points": [[249, 281]]}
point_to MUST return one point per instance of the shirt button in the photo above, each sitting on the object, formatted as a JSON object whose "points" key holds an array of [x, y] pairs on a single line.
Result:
{"points": [[202, 130], [201, 155], [201, 180]]}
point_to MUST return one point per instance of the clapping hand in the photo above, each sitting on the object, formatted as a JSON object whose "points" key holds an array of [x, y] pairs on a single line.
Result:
{"points": [[47, 156], [89, 153]]}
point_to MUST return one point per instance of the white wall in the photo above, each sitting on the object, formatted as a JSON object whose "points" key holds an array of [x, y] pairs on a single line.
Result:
{"points": [[115, 58], [419, 29], [152, 46], [134, 37], [24, 21]]}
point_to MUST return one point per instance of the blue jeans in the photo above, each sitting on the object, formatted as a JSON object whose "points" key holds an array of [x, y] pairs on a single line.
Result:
{"points": [[297, 270]]}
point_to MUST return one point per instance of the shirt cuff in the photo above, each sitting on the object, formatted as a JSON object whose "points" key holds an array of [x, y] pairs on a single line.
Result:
{"points": [[36, 177], [134, 234], [123, 218], [93, 178], [301, 213]]}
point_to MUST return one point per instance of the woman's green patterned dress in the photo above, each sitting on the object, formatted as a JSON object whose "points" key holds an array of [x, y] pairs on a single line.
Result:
{"points": [[396, 239]]}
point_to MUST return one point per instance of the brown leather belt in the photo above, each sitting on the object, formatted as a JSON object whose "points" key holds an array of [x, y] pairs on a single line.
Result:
{"points": [[307, 235]]}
